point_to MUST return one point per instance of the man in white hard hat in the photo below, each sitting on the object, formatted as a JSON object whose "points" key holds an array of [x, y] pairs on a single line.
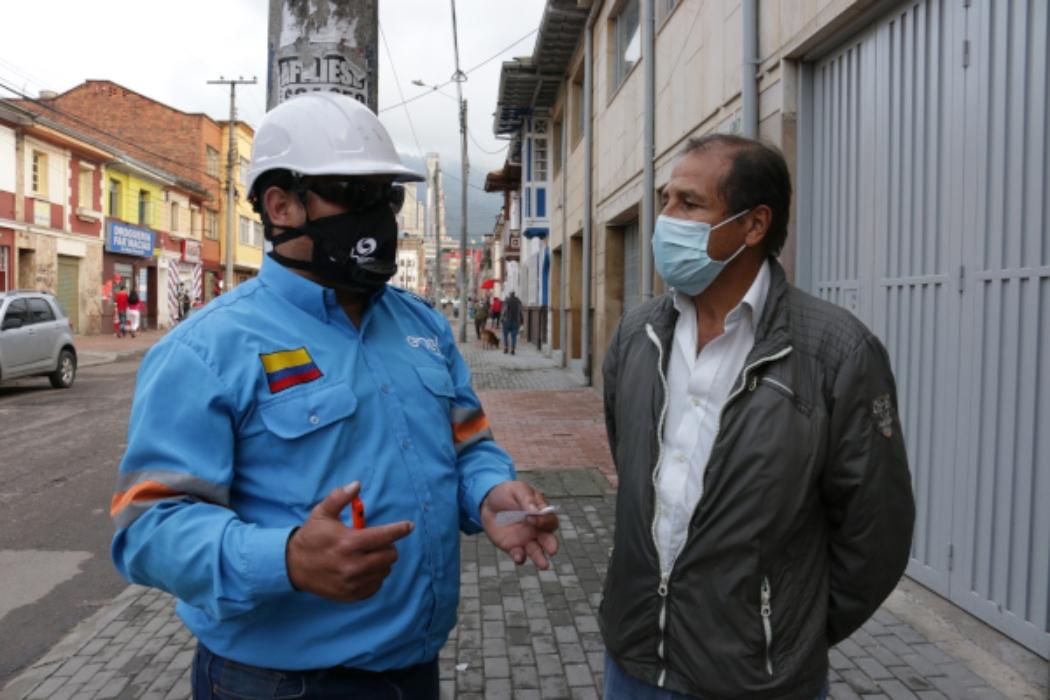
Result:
{"points": [[304, 451]]}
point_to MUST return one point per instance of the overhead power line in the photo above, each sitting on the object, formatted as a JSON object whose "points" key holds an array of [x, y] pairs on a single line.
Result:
{"points": [[99, 130], [437, 88], [397, 82]]}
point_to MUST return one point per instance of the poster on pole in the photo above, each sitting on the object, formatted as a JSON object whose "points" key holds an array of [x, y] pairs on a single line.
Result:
{"points": [[323, 45]]}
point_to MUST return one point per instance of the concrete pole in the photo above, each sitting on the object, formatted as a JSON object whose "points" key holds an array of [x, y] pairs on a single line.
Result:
{"points": [[325, 45], [463, 223], [231, 159]]}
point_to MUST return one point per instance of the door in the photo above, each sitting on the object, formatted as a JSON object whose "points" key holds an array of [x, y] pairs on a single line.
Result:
{"points": [[68, 289], [1003, 520], [46, 334], [16, 344], [927, 208], [882, 245]]}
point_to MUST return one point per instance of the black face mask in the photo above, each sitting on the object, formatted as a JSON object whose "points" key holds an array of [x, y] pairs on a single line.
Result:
{"points": [[354, 251]]}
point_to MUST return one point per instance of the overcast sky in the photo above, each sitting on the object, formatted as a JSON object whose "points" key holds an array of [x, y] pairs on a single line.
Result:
{"points": [[168, 50]]}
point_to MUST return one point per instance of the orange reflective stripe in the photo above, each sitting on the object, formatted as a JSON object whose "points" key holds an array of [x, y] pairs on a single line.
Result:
{"points": [[142, 491], [461, 432]]}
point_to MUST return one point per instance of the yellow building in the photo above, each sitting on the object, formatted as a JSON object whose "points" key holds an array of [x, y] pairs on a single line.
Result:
{"points": [[247, 226]]}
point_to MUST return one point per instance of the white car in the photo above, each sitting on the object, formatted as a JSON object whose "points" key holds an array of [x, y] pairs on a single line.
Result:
{"points": [[36, 339]]}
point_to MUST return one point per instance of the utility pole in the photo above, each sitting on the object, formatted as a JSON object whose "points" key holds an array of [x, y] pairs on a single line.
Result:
{"points": [[440, 282], [325, 45], [231, 157], [460, 77]]}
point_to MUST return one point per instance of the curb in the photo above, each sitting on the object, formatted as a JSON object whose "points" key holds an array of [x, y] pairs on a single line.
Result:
{"points": [[89, 358]]}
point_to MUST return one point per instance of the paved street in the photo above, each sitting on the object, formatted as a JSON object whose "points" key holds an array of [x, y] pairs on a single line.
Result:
{"points": [[59, 452], [521, 633]]}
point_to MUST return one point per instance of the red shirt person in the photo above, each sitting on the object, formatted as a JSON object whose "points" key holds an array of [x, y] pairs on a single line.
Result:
{"points": [[121, 300]]}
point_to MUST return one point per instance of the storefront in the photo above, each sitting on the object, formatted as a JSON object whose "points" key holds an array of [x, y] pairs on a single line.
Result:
{"points": [[129, 258]]}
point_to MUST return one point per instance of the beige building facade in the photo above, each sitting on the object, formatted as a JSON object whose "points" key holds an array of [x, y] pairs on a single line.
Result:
{"points": [[909, 129]]}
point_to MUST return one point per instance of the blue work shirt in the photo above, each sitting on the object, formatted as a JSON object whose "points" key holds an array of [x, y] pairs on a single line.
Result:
{"points": [[247, 415]]}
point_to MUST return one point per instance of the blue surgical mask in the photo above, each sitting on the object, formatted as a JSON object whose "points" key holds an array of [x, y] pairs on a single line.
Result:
{"points": [[680, 253]]}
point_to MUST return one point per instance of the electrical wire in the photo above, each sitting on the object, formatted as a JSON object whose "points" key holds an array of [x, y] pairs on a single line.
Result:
{"points": [[482, 148], [397, 82], [93, 127], [488, 60]]}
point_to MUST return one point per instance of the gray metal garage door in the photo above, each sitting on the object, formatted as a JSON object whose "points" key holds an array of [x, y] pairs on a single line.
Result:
{"points": [[68, 288], [927, 203]]}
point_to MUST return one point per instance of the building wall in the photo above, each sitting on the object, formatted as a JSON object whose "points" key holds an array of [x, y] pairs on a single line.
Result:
{"points": [[128, 199]]}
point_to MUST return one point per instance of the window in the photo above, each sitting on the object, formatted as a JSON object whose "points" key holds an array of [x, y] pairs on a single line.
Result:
{"points": [[211, 161], [40, 311], [663, 9], [40, 173], [628, 44], [211, 224], [245, 164], [114, 198], [84, 189], [540, 156], [143, 207], [257, 234], [244, 234], [17, 309], [174, 217]]}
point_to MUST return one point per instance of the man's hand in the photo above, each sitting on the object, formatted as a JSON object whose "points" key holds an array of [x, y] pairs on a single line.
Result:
{"points": [[533, 536], [327, 558]]}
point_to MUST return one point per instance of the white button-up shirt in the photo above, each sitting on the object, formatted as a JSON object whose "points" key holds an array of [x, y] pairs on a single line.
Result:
{"points": [[698, 385]]}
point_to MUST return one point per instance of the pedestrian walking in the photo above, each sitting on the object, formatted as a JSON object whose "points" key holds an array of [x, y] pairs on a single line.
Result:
{"points": [[121, 301], [764, 508], [481, 316], [513, 317], [495, 310], [304, 451]]}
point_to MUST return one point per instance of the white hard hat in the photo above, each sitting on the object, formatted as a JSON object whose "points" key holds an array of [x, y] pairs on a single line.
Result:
{"points": [[325, 133]]}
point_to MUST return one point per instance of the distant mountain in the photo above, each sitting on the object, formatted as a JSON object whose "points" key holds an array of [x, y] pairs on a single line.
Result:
{"points": [[482, 207]]}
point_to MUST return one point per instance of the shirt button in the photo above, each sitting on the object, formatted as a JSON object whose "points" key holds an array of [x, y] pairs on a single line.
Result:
{"points": [[314, 420], [696, 401], [679, 457], [405, 444], [385, 389]]}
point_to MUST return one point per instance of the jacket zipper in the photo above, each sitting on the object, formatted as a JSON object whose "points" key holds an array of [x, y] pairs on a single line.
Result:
{"points": [[665, 578], [767, 625], [783, 387]]}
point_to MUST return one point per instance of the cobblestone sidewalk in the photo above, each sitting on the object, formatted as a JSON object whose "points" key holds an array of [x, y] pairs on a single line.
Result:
{"points": [[522, 633]]}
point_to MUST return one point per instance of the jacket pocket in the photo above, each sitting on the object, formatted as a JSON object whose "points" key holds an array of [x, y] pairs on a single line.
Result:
{"points": [[766, 611], [303, 414]]}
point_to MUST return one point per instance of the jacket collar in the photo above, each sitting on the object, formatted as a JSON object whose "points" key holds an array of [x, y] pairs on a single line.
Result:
{"points": [[772, 330]]}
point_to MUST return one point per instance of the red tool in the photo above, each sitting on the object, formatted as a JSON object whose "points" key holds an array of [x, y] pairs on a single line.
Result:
{"points": [[357, 507]]}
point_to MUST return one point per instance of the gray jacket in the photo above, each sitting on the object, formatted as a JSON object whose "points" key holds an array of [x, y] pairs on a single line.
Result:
{"points": [[805, 522]]}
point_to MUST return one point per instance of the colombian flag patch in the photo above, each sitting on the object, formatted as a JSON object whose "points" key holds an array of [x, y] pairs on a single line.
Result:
{"points": [[289, 368]]}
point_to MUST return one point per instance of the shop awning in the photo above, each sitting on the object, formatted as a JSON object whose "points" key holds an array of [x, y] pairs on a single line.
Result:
{"points": [[536, 232]]}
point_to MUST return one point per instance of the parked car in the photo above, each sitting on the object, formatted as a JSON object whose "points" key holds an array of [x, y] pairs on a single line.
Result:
{"points": [[36, 339]]}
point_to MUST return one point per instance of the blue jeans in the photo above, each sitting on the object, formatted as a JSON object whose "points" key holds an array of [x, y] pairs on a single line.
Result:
{"points": [[217, 677], [621, 686], [510, 329]]}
